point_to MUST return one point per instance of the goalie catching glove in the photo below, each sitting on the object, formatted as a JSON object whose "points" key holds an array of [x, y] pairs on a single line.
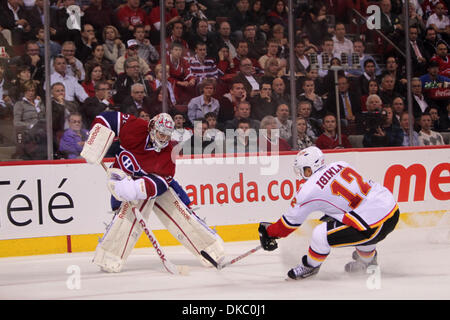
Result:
{"points": [[124, 188], [268, 243]]}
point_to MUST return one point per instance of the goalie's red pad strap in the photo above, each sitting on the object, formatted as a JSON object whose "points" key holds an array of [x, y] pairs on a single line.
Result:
{"points": [[280, 229]]}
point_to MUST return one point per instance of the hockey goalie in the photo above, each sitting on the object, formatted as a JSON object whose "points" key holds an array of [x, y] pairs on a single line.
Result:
{"points": [[142, 177]]}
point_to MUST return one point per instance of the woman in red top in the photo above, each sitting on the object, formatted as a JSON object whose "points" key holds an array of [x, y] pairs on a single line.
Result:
{"points": [[93, 75]]}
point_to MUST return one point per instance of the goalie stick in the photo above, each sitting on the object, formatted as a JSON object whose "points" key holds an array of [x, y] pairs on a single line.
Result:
{"points": [[170, 267], [220, 266]]}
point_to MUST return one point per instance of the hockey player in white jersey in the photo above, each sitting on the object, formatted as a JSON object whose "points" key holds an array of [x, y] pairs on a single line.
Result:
{"points": [[360, 213]]}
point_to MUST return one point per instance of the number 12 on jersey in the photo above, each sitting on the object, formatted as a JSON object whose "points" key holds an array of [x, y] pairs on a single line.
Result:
{"points": [[353, 199]]}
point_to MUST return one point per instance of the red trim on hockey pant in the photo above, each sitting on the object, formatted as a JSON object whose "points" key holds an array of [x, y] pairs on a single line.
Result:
{"points": [[185, 235], [280, 229], [316, 256]]}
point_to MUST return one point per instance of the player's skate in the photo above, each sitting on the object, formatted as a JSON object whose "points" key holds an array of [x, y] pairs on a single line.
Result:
{"points": [[360, 266], [303, 270]]}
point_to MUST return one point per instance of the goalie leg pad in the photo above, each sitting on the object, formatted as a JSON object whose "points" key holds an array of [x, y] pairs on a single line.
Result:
{"points": [[187, 228], [120, 237]]}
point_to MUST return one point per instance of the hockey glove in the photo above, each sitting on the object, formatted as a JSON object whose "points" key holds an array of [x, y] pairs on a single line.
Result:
{"points": [[268, 243], [123, 188]]}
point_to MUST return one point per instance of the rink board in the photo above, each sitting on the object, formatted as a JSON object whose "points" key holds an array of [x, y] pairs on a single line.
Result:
{"points": [[63, 206]]}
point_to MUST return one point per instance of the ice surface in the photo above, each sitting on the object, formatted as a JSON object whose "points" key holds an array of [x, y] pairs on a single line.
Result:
{"points": [[411, 267]]}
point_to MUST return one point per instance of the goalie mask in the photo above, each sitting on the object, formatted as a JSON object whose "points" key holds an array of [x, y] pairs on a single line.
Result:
{"points": [[311, 157], [161, 128]]}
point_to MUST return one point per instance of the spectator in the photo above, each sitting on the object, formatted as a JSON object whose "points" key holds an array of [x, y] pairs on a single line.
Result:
{"points": [[130, 16], [100, 14], [156, 83], [13, 17], [247, 76], [312, 125], [359, 48], [55, 47], [284, 124], [181, 132], [262, 103], [404, 125], [202, 34], [440, 22], [144, 115], [392, 129], [229, 101], [430, 42], [15, 90], [223, 37], [61, 109], [146, 51], [349, 103], [278, 14], [428, 137], [342, 45], [324, 59], [272, 52], [113, 46], [137, 101], [443, 58], [6, 104], [301, 61], [256, 43], [205, 103], [278, 34], [279, 94], [329, 139], [438, 124], [94, 74], [269, 139], [74, 67], [419, 58], [73, 139], [124, 81], [245, 139], [392, 68], [176, 33], [433, 79], [238, 17], [171, 15], [387, 92], [85, 43], [213, 133], [30, 109], [421, 103], [93, 106], [369, 74], [389, 21], [73, 89], [182, 80], [243, 110], [303, 140], [198, 142], [132, 51], [309, 93], [98, 57], [241, 53], [315, 24], [373, 88], [33, 61], [201, 66]]}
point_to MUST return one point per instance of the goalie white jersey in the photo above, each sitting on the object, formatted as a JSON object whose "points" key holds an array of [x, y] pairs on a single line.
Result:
{"points": [[340, 192]]}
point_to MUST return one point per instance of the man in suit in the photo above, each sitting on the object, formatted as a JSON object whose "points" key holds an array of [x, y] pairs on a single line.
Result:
{"points": [[137, 101], [349, 104], [419, 55], [247, 76]]}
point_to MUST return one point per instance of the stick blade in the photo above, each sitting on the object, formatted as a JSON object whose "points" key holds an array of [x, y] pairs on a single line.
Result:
{"points": [[210, 259]]}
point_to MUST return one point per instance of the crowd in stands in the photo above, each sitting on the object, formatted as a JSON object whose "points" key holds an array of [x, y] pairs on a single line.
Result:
{"points": [[227, 71]]}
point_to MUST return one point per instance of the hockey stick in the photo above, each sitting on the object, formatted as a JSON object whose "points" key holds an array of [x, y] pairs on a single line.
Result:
{"points": [[223, 265], [170, 267]]}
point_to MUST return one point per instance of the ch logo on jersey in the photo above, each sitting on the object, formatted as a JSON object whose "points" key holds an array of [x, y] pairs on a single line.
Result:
{"points": [[128, 163]]}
